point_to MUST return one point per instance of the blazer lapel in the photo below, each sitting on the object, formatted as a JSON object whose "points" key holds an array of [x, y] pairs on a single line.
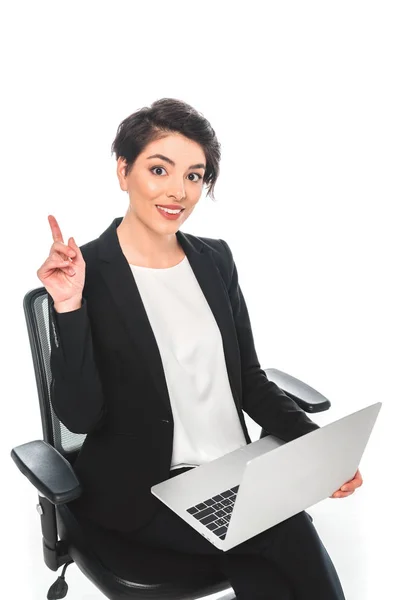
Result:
{"points": [[213, 288], [120, 280]]}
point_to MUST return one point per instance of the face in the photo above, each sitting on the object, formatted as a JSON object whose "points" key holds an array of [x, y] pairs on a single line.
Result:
{"points": [[175, 176]]}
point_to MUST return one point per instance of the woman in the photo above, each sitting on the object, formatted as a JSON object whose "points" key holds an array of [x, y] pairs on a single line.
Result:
{"points": [[153, 358]]}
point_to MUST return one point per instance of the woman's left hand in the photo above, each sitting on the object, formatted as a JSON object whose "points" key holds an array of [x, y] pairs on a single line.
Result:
{"points": [[349, 488]]}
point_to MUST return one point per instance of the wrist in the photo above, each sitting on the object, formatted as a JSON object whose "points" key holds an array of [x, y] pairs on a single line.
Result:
{"points": [[68, 305]]}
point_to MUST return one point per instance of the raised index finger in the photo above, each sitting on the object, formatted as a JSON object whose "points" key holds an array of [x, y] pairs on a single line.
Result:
{"points": [[55, 229]]}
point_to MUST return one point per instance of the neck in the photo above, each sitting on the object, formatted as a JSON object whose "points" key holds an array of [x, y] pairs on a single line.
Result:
{"points": [[143, 246]]}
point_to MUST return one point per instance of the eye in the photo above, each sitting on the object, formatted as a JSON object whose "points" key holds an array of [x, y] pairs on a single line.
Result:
{"points": [[198, 175], [152, 169]]}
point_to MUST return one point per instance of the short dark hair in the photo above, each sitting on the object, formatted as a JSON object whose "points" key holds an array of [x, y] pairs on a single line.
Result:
{"points": [[163, 117]]}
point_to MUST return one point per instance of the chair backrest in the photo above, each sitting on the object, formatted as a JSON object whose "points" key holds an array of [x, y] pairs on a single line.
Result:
{"points": [[36, 309]]}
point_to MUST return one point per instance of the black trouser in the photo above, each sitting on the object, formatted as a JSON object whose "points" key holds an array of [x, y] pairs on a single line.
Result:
{"points": [[286, 562]]}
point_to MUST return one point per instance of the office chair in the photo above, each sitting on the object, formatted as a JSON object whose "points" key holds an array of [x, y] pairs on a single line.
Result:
{"points": [[48, 463]]}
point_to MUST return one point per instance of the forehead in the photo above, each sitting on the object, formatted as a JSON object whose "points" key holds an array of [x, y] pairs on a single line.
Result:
{"points": [[177, 147]]}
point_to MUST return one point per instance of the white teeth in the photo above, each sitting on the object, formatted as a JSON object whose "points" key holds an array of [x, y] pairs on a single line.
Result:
{"points": [[168, 210]]}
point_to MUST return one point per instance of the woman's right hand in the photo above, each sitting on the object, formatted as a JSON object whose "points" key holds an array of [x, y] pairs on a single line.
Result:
{"points": [[63, 272]]}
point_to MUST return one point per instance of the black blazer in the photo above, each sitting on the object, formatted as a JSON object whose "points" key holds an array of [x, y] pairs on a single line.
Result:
{"points": [[108, 378]]}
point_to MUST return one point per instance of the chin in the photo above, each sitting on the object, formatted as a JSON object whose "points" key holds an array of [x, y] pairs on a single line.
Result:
{"points": [[167, 227]]}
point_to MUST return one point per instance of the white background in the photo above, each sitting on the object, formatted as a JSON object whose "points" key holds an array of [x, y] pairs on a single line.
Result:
{"points": [[304, 98]]}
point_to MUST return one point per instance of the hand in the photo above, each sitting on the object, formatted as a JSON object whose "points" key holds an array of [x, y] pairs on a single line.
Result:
{"points": [[349, 488], [63, 272]]}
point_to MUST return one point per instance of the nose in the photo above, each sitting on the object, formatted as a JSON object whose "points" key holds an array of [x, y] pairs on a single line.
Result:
{"points": [[177, 190]]}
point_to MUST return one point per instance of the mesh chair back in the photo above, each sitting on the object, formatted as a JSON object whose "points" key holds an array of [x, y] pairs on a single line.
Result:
{"points": [[36, 308]]}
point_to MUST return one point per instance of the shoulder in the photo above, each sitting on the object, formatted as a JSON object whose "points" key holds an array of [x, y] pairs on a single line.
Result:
{"points": [[219, 251], [90, 250], [90, 254], [218, 247]]}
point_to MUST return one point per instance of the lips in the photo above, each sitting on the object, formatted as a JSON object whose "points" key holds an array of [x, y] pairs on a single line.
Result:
{"points": [[168, 215], [171, 206]]}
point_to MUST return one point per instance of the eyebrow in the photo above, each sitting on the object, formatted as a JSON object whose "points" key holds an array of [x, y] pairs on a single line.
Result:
{"points": [[171, 162]]}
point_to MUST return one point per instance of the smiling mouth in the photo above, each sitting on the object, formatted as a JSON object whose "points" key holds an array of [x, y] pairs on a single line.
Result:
{"points": [[170, 211]]}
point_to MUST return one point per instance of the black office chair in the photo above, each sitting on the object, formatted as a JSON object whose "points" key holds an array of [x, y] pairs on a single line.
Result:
{"points": [[47, 465]]}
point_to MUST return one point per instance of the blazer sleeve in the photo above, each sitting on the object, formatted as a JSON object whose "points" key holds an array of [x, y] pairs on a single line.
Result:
{"points": [[76, 391], [263, 400]]}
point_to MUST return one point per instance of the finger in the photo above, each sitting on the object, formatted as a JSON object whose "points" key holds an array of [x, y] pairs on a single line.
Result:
{"points": [[72, 244], [55, 229], [66, 269], [349, 487], [55, 261], [354, 483], [62, 249], [52, 264], [341, 494]]}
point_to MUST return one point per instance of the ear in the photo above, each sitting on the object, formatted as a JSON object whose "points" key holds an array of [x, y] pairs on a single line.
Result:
{"points": [[121, 166]]}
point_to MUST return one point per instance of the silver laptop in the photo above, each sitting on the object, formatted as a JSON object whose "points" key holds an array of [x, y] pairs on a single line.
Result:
{"points": [[251, 489]]}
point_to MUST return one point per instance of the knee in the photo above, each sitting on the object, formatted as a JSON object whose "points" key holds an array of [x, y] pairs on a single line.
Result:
{"points": [[299, 527], [302, 519]]}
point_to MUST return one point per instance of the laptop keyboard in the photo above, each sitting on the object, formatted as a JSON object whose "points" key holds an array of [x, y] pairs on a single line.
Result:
{"points": [[215, 512]]}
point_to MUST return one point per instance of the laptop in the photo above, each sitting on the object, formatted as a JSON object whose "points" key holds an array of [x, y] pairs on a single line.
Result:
{"points": [[253, 488]]}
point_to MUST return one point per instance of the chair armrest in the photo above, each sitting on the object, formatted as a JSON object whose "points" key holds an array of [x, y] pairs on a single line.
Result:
{"points": [[48, 471], [305, 396]]}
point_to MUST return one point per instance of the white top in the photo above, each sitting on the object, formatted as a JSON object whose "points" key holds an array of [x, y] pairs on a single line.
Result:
{"points": [[206, 422]]}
